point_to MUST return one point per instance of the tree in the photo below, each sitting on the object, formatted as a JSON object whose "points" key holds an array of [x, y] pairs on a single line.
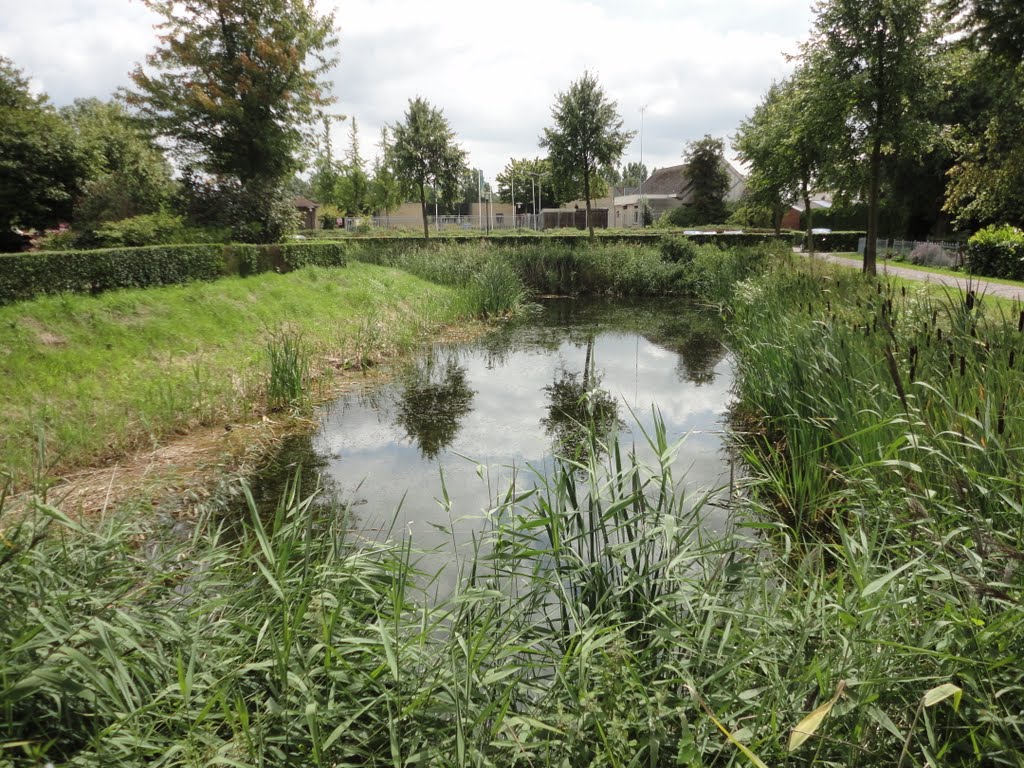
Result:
{"points": [[633, 174], [787, 142], [354, 184], [426, 155], [233, 84], [522, 177], [587, 134], [41, 165], [707, 179], [872, 56], [127, 174], [385, 189]]}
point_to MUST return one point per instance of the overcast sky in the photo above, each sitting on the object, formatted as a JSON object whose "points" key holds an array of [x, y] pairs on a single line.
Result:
{"points": [[700, 66]]}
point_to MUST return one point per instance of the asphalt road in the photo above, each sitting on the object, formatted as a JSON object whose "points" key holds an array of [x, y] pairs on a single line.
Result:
{"points": [[980, 285]]}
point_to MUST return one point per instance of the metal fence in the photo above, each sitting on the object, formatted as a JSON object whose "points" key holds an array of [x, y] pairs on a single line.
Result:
{"points": [[493, 223]]}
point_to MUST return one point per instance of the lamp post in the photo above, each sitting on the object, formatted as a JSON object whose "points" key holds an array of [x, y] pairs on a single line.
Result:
{"points": [[539, 195], [643, 208]]}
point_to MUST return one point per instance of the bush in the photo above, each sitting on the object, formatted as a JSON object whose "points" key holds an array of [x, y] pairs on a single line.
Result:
{"points": [[837, 242], [23, 276], [678, 249], [997, 252]]}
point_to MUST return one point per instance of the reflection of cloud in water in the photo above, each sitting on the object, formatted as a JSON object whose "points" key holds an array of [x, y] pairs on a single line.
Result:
{"points": [[507, 373]]}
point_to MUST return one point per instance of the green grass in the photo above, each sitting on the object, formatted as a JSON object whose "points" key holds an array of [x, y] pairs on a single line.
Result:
{"points": [[875, 578], [93, 377]]}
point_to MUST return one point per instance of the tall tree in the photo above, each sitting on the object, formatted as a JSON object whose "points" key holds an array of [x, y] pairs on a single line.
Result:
{"points": [[42, 167], [426, 156], [707, 179], [633, 173], [587, 135], [128, 174], [354, 192], [523, 176], [787, 142], [385, 189], [873, 57], [232, 84]]}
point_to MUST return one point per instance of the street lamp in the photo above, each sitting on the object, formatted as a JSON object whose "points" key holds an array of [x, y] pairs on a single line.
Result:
{"points": [[539, 195], [643, 208]]}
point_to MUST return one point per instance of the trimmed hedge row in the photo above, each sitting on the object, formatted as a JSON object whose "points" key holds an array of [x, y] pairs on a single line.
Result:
{"points": [[836, 242], [996, 252], [25, 275]]}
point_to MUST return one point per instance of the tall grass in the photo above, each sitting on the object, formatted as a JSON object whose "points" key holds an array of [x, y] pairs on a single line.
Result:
{"points": [[597, 622], [289, 362]]}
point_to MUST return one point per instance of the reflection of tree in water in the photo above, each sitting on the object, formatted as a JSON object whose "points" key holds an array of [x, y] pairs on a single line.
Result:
{"points": [[434, 398], [579, 410], [699, 353], [296, 459]]}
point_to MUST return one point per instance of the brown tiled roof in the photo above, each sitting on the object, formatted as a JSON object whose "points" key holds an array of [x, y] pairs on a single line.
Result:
{"points": [[303, 202], [666, 181]]}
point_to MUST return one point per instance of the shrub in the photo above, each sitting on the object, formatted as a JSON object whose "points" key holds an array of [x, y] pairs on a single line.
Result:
{"points": [[837, 242], [933, 254], [997, 252], [678, 249]]}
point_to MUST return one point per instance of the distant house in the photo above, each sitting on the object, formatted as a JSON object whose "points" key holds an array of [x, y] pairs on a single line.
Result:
{"points": [[663, 190], [307, 209], [791, 218]]}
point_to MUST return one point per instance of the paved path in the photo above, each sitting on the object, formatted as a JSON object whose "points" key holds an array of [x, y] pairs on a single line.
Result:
{"points": [[885, 268]]}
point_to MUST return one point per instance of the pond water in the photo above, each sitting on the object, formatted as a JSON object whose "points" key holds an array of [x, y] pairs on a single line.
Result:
{"points": [[426, 453]]}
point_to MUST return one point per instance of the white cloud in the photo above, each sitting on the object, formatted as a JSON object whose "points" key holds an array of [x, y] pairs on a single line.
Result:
{"points": [[700, 66]]}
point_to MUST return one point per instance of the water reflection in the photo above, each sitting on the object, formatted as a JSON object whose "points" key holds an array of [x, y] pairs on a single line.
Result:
{"points": [[433, 399], [430, 452], [579, 409]]}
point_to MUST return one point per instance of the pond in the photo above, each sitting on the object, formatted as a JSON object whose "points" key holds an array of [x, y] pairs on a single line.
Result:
{"points": [[425, 454]]}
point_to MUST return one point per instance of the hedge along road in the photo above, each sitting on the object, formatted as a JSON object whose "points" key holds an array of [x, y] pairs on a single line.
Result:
{"points": [[980, 285]]}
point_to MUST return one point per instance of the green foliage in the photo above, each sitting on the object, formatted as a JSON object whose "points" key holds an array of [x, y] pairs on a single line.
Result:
{"points": [[996, 252], [385, 188], [874, 58], [587, 134], [679, 217], [837, 242], [523, 175], [707, 180], [425, 154], [233, 84], [496, 290], [42, 166], [127, 173], [288, 359], [678, 249], [26, 275], [151, 229]]}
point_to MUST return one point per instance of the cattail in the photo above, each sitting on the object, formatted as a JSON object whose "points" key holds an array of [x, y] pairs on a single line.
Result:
{"points": [[903, 291], [939, 336], [1013, 355], [970, 300], [952, 358], [1020, 323], [828, 305], [963, 365], [1001, 420]]}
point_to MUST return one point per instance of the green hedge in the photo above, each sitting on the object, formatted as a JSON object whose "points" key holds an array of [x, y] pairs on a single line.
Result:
{"points": [[996, 252], [25, 275], [836, 242]]}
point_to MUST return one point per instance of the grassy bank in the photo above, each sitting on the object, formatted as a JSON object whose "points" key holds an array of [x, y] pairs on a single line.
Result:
{"points": [[88, 378], [867, 610]]}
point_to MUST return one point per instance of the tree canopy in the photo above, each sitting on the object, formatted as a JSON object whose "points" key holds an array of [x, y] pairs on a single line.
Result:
{"points": [[42, 166], [232, 84], [707, 179], [873, 57], [587, 134], [425, 155]]}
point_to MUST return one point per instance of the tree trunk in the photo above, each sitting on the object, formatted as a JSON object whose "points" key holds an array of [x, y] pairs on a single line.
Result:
{"points": [[423, 207], [807, 220], [586, 194], [874, 185]]}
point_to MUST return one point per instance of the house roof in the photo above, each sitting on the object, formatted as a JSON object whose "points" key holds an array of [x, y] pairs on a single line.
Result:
{"points": [[666, 181], [304, 202]]}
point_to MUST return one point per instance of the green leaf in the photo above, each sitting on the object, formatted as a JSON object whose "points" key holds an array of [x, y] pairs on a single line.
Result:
{"points": [[941, 693]]}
